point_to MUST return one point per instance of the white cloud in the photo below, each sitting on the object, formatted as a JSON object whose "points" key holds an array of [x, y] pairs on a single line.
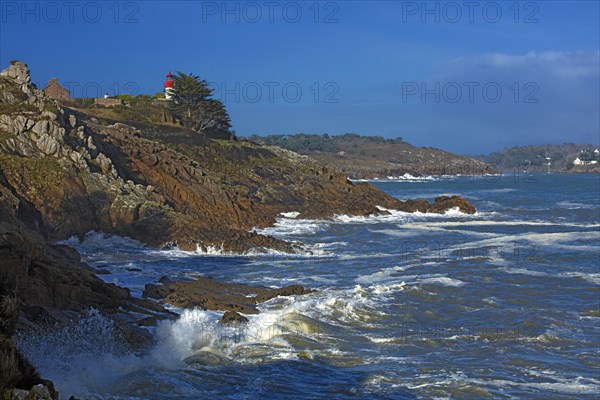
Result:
{"points": [[565, 64]]}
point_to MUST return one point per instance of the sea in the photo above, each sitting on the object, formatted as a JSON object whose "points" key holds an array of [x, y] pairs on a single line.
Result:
{"points": [[502, 304]]}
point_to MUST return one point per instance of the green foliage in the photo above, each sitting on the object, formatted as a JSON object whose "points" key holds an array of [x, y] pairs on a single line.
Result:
{"points": [[51, 108], [300, 142], [561, 156], [37, 172], [85, 102], [192, 103], [124, 97], [16, 108]]}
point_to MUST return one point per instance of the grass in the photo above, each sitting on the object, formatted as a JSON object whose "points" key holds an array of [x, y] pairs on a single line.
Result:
{"points": [[40, 178], [51, 108], [17, 108]]}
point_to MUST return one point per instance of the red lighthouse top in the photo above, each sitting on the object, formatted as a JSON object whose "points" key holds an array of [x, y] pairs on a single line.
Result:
{"points": [[169, 81]]}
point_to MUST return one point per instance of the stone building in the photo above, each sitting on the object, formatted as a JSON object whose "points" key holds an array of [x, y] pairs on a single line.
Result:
{"points": [[56, 91]]}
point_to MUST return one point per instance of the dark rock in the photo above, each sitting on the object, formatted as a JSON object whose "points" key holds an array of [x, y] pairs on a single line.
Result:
{"points": [[164, 280], [158, 292], [293, 290], [212, 295], [9, 312], [49, 280], [102, 271], [150, 321], [232, 318], [445, 203], [416, 205], [15, 370]]}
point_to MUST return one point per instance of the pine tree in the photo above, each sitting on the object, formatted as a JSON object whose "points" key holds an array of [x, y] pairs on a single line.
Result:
{"points": [[191, 102]]}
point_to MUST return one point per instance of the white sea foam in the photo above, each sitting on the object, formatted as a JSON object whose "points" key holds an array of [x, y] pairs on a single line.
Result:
{"points": [[590, 277], [554, 383], [388, 280], [403, 178], [410, 178], [381, 275], [91, 357], [101, 241], [81, 359], [528, 241], [286, 227], [291, 214], [381, 340], [572, 205], [522, 271], [443, 281], [437, 224]]}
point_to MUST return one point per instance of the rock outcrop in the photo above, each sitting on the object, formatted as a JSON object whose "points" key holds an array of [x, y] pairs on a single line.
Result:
{"points": [[232, 318], [64, 173], [208, 294], [160, 184]]}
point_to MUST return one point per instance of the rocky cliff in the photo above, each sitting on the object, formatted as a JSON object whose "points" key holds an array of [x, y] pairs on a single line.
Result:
{"points": [[160, 184], [66, 172]]}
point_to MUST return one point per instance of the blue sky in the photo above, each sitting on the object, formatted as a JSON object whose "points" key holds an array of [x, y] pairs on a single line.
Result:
{"points": [[469, 77]]}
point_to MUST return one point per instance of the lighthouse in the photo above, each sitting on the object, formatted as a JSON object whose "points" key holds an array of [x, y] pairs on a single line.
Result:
{"points": [[169, 86]]}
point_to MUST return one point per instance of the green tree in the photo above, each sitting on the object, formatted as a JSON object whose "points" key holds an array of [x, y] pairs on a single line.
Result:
{"points": [[191, 102]]}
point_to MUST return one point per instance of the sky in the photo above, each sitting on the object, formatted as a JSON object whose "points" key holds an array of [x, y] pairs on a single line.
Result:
{"points": [[469, 77]]}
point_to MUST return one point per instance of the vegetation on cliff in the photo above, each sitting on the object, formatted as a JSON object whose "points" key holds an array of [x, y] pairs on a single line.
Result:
{"points": [[162, 183], [367, 157], [545, 158], [65, 171], [193, 104]]}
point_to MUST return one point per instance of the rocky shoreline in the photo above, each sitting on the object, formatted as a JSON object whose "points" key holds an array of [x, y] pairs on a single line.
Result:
{"points": [[65, 173]]}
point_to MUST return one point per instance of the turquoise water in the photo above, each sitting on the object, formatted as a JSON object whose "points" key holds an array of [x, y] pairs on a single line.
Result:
{"points": [[501, 304]]}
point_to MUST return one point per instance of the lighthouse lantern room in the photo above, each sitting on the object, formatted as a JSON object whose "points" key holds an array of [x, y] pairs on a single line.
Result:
{"points": [[169, 86]]}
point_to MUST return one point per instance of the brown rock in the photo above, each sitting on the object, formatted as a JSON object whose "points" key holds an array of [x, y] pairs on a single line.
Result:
{"points": [[232, 318], [445, 203], [416, 205], [293, 290], [212, 295]]}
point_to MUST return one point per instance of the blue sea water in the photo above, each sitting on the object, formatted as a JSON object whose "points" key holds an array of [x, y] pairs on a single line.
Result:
{"points": [[501, 304]]}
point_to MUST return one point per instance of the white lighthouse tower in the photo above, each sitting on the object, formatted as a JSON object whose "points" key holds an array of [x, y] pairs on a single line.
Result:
{"points": [[169, 86]]}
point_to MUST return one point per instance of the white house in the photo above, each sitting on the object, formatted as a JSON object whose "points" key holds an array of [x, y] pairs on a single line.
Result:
{"points": [[585, 159]]}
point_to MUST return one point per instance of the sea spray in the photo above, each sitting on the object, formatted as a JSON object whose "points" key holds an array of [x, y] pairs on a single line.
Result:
{"points": [[80, 358]]}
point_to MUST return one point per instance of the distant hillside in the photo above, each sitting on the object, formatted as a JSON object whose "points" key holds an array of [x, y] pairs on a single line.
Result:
{"points": [[552, 157], [364, 157]]}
